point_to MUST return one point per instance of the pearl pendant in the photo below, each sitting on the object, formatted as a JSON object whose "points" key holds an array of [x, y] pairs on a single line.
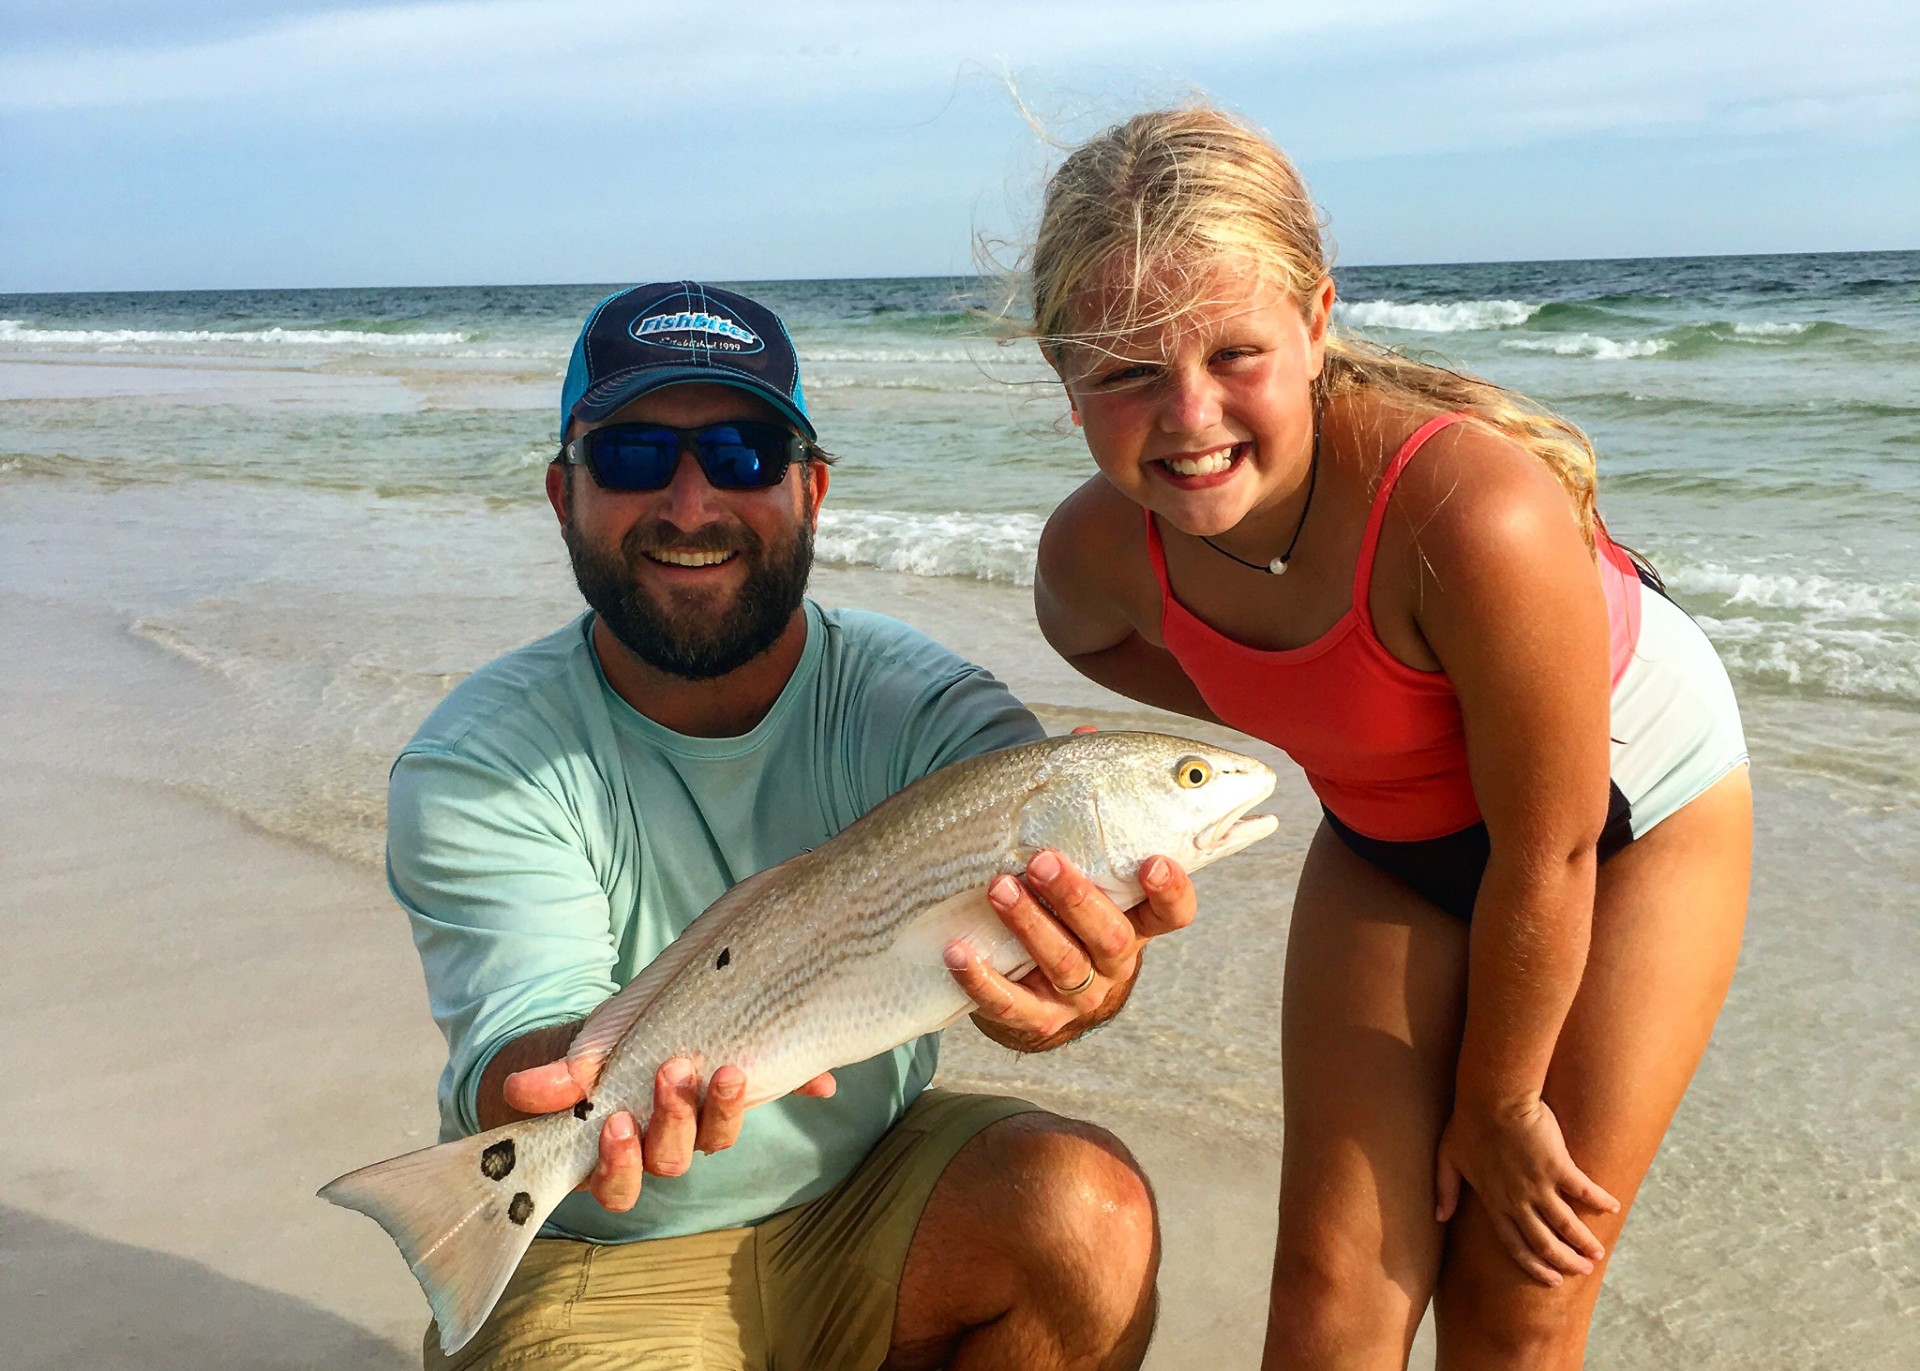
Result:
{"points": [[1278, 566]]}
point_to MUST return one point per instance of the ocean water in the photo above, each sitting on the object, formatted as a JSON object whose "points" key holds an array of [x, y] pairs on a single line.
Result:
{"points": [[326, 506]]}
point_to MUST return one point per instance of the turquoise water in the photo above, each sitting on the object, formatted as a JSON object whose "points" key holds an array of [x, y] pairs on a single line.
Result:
{"points": [[1758, 420]]}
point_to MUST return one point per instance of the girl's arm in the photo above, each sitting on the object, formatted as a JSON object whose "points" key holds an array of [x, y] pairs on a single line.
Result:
{"points": [[1510, 603], [1092, 590]]}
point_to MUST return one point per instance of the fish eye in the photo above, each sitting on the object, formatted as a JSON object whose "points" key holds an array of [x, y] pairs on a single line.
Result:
{"points": [[1192, 772]]}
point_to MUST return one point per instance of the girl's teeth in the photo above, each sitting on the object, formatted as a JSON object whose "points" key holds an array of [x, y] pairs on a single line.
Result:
{"points": [[691, 558], [1206, 464]]}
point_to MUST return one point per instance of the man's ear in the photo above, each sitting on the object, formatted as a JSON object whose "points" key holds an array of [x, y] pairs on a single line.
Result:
{"points": [[813, 486], [558, 490]]}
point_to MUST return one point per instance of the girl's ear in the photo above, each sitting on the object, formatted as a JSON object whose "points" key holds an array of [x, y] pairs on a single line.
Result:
{"points": [[1319, 317]]}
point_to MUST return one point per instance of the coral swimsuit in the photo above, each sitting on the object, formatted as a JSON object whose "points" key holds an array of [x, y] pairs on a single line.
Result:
{"points": [[1383, 744]]}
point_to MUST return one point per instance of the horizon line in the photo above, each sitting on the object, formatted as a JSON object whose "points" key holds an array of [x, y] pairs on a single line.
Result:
{"points": [[976, 276]]}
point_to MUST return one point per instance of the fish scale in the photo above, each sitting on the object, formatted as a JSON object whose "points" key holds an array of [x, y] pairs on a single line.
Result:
{"points": [[827, 959]]}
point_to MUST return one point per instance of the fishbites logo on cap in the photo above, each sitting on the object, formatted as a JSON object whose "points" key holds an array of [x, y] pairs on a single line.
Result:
{"points": [[696, 330]]}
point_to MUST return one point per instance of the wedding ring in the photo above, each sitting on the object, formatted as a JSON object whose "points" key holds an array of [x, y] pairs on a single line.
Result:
{"points": [[1077, 989]]}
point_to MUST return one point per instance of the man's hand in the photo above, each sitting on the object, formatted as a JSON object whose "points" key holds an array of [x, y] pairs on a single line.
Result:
{"points": [[1086, 950], [681, 1122]]}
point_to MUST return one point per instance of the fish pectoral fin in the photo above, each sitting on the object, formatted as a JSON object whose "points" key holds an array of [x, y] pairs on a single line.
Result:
{"points": [[608, 1024], [966, 917]]}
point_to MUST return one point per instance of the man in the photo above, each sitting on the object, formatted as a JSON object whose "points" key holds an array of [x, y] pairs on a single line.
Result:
{"points": [[570, 807]]}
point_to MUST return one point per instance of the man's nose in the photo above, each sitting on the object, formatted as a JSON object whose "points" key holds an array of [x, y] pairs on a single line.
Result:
{"points": [[689, 500]]}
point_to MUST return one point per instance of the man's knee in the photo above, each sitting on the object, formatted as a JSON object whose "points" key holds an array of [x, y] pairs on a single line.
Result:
{"points": [[1076, 1192]]}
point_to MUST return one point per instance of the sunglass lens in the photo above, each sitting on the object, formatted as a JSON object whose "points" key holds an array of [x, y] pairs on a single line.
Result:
{"points": [[629, 458], [739, 457]]}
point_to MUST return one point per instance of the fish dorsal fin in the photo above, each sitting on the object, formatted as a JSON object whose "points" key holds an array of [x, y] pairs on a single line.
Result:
{"points": [[608, 1024]]}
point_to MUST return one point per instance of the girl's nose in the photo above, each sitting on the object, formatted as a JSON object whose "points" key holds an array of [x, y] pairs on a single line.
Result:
{"points": [[1190, 401]]}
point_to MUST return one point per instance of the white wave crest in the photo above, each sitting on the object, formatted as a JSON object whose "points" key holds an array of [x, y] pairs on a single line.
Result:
{"points": [[1864, 664], [813, 355], [1764, 330], [1807, 631], [1458, 316], [984, 547], [13, 331], [1591, 345], [1816, 598]]}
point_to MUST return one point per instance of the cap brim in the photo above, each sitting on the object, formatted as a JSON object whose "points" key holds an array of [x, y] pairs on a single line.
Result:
{"points": [[615, 394]]}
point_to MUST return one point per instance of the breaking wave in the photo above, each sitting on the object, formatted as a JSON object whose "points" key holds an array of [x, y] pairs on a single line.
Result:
{"points": [[13, 331], [1458, 316], [982, 547]]}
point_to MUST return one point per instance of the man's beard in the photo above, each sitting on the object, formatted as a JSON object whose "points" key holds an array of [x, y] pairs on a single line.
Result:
{"points": [[691, 641]]}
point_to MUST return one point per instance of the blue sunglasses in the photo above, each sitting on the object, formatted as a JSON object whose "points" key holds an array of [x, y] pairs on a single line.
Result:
{"points": [[741, 455]]}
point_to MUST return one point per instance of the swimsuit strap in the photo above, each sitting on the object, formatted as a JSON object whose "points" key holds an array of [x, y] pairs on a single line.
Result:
{"points": [[1369, 544]]}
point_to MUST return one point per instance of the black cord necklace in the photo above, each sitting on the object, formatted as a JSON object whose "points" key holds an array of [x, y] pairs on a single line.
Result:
{"points": [[1278, 566]]}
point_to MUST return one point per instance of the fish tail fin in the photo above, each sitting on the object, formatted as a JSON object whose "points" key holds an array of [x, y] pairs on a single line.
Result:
{"points": [[464, 1213]]}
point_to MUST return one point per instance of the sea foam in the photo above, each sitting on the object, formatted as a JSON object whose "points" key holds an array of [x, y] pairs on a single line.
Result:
{"points": [[1457, 316], [13, 331], [983, 547]]}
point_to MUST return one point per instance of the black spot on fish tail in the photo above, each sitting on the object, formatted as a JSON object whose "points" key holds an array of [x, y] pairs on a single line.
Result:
{"points": [[726, 955], [521, 1207], [584, 1108], [496, 1163]]}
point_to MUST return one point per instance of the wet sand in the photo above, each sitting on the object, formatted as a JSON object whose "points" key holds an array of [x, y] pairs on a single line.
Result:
{"points": [[206, 1021]]}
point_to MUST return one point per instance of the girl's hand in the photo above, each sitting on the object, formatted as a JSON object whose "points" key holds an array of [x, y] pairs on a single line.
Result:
{"points": [[1517, 1163]]}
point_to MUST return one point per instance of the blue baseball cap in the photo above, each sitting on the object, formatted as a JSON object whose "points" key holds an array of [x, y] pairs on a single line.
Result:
{"points": [[669, 332]]}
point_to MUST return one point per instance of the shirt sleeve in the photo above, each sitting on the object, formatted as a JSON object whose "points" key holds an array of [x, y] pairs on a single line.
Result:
{"points": [[933, 708], [508, 914]]}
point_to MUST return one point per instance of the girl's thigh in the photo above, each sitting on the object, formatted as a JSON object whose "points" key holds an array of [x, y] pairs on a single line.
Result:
{"points": [[1371, 1018], [1668, 916]]}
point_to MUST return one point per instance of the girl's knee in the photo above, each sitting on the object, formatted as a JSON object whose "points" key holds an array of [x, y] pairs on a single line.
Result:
{"points": [[1332, 1304], [1496, 1321]]}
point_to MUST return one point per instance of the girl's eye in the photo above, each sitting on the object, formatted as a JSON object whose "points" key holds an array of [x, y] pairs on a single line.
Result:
{"points": [[1233, 354], [1127, 375]]}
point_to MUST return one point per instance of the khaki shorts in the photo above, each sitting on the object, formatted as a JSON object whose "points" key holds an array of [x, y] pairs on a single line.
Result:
{"points": [[811, 1287]]}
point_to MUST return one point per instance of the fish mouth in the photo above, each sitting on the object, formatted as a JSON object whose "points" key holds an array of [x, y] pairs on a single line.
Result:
{"points": [[1230, 835], [1239, 829]]}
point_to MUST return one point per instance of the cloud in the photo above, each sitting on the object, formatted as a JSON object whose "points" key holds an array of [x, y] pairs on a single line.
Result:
{"points": [[1345, 81]]}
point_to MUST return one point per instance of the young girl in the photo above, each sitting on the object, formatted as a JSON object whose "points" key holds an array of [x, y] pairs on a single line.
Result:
{"points": [[1516, 924]]}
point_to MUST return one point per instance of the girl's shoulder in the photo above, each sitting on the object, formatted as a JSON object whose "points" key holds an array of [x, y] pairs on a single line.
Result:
{"points": [[1465, 480], [1093, 557]]}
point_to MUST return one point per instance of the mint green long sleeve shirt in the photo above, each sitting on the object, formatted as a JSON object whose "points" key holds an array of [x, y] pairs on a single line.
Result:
{"points": [[547, 841]]}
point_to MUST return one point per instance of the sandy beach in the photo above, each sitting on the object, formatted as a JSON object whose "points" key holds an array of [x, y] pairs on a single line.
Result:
{"points": [[208, 1020]]}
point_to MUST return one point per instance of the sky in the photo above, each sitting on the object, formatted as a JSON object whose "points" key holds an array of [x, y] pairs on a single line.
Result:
{"points": [[202, 144]]}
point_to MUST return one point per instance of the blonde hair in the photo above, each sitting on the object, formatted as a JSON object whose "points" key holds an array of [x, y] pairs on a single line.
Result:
{"points": [[1142, 215]]}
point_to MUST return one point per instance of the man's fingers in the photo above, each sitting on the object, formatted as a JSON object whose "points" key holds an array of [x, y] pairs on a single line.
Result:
{"points": [[821, 1086], [1086, 914], [1170, 903], [1003, 1001], [1065, 964], [616, 1177], [542, 1089], [720, 1115], [670, 1133]]}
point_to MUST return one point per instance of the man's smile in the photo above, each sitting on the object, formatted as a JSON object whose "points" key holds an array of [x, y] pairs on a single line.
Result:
{"points": [[687, 557]]}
